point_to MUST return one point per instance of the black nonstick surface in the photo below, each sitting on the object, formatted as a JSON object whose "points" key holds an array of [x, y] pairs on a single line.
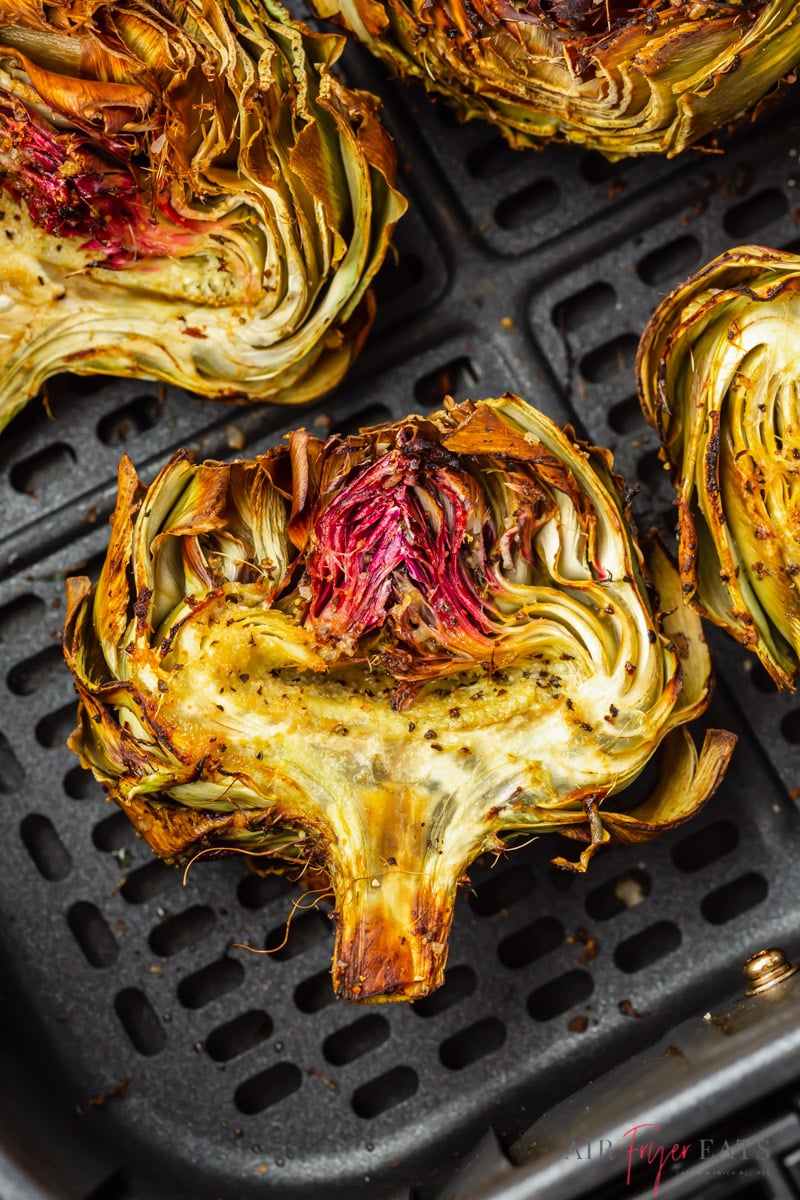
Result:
{"points": [[146, 1059]]}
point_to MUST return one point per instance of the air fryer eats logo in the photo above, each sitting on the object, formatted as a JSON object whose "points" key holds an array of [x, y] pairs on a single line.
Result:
{"points": [[644, 1145]]}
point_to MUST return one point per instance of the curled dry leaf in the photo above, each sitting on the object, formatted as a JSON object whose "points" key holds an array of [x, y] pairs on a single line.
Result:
{"points": [[719, 377], [190, 193], [614, 76], [379, 656]]}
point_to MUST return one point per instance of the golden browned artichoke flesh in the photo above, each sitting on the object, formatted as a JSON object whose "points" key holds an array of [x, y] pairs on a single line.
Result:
{"points": [[377, 657], [719, 377], [614, 76], [189, 193]]}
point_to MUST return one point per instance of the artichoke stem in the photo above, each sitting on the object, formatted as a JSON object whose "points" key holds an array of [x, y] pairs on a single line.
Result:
{"points": [[395, 885]]}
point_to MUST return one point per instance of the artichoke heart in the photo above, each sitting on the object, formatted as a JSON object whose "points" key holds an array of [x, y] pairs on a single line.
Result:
{"points": [[619, 77], [376, 657], [719, 377], [190, 194]]}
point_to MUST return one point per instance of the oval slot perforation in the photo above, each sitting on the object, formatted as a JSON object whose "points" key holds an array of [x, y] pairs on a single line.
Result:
{"points": [[12, 775], [256, 891], [40, 470], [139, 1020], [528, 205], [531, 942], [585, 307], [613, 361], [790, 727], [626, 417], [182, 931], [387, 1091], [755, 213], [397, 276], [672, 261], [624, 891], [456, 378], [36, 672], [469, 1045], [314, 993], [459, 983], [304, 933], [239, 1035], [20, 616], [268, 1088], [734, 898], [647, 947], [356, 1040], [146, 882], [80, 784], [129, 421], [54, 729], [211, 982], [704, 846], [491, 158], [596, 168], [502, 889], [653, 473], [49, 854], [560, 994], [114, 833], [88, 926]]}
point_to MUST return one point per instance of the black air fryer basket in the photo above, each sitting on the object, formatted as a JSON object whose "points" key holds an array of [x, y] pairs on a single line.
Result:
{"points": [[144, 1058]]}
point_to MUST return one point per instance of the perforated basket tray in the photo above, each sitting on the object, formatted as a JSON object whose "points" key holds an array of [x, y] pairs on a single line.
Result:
{"points": [[187, 1069]]}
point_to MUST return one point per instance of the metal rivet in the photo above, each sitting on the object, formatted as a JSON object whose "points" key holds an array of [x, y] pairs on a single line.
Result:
{"points": [[766, 969]]}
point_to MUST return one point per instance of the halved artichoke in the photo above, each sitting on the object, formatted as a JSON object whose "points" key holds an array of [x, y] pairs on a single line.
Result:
{"points": [[379, 656], [190, 194], [618, 77], [719, 377]]}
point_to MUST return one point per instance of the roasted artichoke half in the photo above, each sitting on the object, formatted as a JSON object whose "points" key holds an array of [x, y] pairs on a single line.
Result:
{"points": [[189, 194], [618, 77], [719, 378], [378, 656]]}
